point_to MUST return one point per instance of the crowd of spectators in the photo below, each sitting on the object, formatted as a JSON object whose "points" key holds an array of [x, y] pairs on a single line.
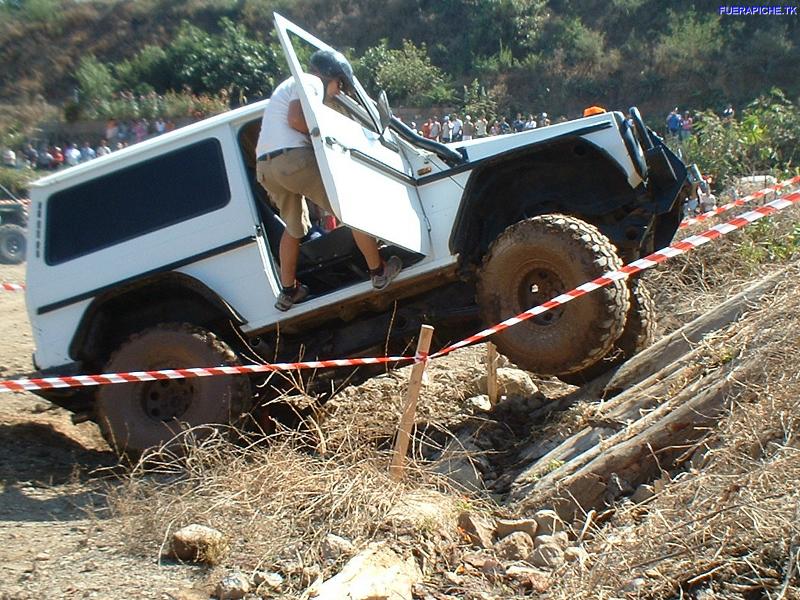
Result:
{"points": [[117, 135], [451, 128]]}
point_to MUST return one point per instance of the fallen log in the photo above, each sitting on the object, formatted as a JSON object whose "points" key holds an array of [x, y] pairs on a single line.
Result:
{"points": [[669, 349], [640, 452]]}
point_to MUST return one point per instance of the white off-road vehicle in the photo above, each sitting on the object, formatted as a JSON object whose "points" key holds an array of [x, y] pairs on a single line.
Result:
{"points": [[164, 254]]}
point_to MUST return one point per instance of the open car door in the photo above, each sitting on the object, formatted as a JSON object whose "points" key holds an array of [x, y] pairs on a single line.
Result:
{"points": [[368, 184]]}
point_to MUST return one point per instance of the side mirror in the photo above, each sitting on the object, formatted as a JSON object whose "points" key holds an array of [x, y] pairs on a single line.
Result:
{"points": [[384, 112]]}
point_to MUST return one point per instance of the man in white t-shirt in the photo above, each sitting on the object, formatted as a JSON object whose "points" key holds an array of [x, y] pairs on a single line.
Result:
{"points": [[288, 170]]}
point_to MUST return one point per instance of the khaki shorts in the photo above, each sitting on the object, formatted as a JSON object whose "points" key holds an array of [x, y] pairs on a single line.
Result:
{"points": [[291, 178]]}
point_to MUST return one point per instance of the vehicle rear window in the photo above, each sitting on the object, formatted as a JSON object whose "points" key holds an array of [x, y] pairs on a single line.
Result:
{"points": [[136, 200]]}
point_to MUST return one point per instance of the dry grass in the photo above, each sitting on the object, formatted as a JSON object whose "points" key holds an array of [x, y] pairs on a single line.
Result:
{"points": [[729, 523]]}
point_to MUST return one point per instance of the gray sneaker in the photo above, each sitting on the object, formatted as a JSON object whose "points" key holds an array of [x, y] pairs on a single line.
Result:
{"points": [[390, 270], [287, 300]]}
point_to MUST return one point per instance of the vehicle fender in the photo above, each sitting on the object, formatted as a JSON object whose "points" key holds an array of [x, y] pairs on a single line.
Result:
{"points": [[160, 298]]}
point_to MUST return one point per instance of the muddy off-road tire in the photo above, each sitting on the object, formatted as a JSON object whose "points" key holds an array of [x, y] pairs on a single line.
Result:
{"points": [[535, 260], [12, 244], [639, 333], [136, 416]]}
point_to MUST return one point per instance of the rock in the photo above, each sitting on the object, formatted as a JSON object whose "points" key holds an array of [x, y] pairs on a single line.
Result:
{"points": [[529, 577], [462, 462], [549, 556], [335, 546], [478, 528], [548, 522], [479, 403], [513, 383], [376, 573], [515, 546], [233, 586], [506, 527], [269, 579], [560, 539], [198, 543], [634, 585], [643, 493], [576, 554]]}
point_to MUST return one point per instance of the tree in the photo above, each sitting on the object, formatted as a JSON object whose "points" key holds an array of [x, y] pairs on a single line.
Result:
{"points": [[406, 73]]}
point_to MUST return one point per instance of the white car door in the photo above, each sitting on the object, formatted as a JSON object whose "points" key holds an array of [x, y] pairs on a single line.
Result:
{"points": [[369, 185]]}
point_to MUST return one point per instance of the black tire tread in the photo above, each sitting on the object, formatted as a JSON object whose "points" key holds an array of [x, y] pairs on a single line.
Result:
{"points": [[580, 237]]}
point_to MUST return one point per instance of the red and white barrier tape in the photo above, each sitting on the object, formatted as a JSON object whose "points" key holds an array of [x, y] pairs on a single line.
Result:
{"points": [[636, 266], [739, 202], [12, 287]]}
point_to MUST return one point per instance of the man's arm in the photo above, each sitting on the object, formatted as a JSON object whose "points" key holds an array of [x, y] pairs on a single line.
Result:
{"points": [[296, 118]]}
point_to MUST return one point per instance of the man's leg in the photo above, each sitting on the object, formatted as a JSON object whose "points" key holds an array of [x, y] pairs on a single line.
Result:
{"points": [[289, 250], [369, 248]]}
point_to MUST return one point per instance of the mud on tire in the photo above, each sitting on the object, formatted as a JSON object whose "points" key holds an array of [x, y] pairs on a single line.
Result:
{"points": [[535, 260], [136, 416], [639, 333]]}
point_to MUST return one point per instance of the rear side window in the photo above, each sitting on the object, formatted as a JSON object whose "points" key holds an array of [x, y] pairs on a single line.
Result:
{"points": [[136, 200]]}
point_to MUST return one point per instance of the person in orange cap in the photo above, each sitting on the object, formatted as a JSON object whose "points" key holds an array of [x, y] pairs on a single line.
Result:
{"points": [[593, 110]]}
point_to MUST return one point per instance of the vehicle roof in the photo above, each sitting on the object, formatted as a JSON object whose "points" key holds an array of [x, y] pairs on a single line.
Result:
{"points": [[166, 139]]}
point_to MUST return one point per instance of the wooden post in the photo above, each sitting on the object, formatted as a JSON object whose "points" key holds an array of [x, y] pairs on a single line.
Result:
{"points": [[397, 468], [491, 373]]}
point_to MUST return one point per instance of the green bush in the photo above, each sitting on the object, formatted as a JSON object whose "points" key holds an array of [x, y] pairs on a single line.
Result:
{"points": [[763, 140], [16, 181]]}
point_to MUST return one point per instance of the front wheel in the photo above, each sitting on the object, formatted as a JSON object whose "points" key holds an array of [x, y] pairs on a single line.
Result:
{"points": [[136, 416], [535, 260]]}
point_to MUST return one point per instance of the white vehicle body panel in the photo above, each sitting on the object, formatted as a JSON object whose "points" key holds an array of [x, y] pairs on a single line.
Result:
{"points": [[361, 196]]}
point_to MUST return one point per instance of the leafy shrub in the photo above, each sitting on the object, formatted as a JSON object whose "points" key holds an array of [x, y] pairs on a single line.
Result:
{"points": [[16, 181], [763, 140], [406, 73]]}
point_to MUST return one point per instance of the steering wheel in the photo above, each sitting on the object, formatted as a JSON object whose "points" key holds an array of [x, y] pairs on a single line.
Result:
{"points": [[641, 129]]}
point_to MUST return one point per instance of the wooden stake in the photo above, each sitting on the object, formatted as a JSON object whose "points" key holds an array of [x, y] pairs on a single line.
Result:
{"points": [[397, 468], [491, 373]]}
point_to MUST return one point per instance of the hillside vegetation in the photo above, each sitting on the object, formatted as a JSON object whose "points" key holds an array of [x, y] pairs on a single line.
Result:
{"points": [[530, 55]]}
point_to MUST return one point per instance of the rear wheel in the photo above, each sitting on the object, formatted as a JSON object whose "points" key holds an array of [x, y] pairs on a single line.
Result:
{"points": [[136, 416], [639, 333], [12, 244], [535, 260]]}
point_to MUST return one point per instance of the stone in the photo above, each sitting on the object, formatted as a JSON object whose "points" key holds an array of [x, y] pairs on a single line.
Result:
{"points": [[634, 585], [233, 586], [375, 573], [529, 577], [515, 546], [198, 543], [268, 579], [560, 539], [576, 554], [335, 546], [479, 403], [462, 462], [478, 528], [511, 383], [549, 556], [642, 494], [506, 527], [548, 522]]}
